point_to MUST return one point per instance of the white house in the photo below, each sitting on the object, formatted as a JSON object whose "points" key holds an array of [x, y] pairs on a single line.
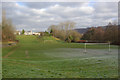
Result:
{"points": [[17, 32], [28, 33], [36, 33], [31, 33]]}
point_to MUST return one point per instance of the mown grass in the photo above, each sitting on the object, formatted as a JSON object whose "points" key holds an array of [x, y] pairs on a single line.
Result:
{"points": [[52, 58]]}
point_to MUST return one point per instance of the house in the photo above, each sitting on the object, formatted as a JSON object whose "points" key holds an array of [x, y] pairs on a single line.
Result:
{"points": [[17, 32], [28, 33], [31, 33], [36, 33]]}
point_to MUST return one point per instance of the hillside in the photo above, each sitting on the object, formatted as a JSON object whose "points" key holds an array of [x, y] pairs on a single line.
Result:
{"points": [[82, 30]]}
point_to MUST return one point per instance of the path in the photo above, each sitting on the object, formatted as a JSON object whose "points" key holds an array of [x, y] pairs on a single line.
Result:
{"points": [[10, 53]]}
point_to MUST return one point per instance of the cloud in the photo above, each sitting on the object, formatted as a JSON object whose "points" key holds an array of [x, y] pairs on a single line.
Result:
{"points": [[0, 11], [38, 16], [105, 12]]}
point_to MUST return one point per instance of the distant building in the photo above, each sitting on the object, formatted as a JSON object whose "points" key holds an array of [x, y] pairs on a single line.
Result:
{"points": [[17, 32], [28, 33], [36, 33], [31, 33]]}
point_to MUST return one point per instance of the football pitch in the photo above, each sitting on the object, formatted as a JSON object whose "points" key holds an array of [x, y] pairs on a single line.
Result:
{"points": [[48, 57]]}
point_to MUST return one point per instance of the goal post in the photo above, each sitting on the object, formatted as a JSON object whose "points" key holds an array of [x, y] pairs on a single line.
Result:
{"points": [[85, 48], [107, 45]]}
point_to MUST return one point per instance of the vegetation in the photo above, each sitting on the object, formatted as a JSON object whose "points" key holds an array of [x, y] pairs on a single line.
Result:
{"points": [[103, 34], [7, 29], [65, 31], [49, 57], [23, 31], [0, 32]]}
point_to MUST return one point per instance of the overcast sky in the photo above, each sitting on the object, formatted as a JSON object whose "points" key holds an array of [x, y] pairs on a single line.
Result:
{"points": [[38, 16]]}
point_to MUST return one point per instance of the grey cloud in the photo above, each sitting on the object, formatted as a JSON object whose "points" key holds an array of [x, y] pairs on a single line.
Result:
{"points": [[104, 12], [39, 5], [0, 12], [39, 16]]}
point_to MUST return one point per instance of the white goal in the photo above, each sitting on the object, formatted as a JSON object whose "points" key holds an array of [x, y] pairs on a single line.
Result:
{"points": [[97, 46]]}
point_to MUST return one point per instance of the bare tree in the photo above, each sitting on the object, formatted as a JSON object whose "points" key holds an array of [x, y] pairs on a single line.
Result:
{"points": [[65, 31], [7, 28]]}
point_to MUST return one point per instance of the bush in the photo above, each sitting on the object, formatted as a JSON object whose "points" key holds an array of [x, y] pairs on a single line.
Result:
{"points": [[68, 40], [75, 35]]}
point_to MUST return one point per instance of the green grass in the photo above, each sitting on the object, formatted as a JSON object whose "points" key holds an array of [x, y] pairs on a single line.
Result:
{"points": [[51, 58]]}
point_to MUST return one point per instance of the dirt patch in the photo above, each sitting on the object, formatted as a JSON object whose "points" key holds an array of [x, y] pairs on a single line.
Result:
{"points": [[26, 53]]}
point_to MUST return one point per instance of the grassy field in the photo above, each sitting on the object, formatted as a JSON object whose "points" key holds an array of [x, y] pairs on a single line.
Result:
{"points": [[48, 57]]}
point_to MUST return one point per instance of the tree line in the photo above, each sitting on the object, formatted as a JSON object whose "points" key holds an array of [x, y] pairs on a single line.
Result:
{"points": [[109, 33], [65, 32]]}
